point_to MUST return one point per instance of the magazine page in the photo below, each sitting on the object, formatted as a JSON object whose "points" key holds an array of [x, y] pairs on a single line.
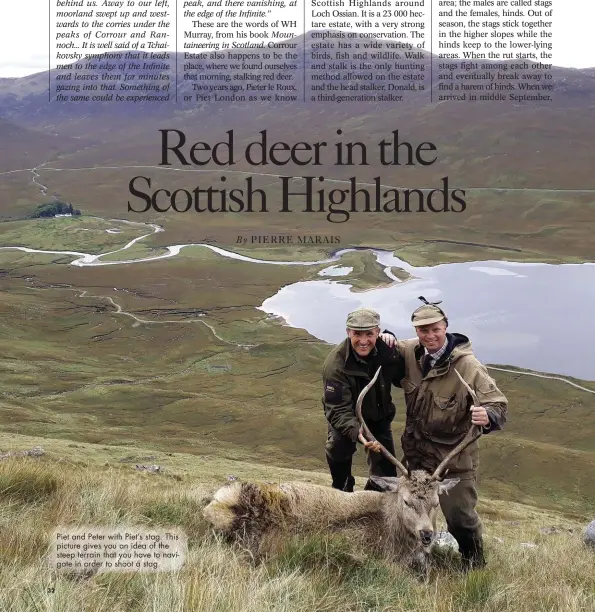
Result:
{"points": [[297, 305]]}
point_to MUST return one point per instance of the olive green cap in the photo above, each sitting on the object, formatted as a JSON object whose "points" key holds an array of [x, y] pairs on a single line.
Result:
{"points": [[426, 315], [363, 319]]}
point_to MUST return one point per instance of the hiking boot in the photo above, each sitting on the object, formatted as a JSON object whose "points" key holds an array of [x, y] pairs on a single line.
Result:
{"points": [[472, 557], [471, 549], [341, 475]]}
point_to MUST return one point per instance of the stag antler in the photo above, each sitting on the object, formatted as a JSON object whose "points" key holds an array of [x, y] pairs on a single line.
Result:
{"points": [[471, 392], [473, 434], [368, 433]]}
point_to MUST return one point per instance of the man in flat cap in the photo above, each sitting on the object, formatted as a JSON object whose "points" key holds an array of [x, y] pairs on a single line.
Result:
{"points": [[440, 412], [349, 367]]}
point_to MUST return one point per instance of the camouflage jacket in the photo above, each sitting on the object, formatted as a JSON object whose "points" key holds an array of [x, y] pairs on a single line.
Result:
{"points": [[438, 405], [345, 374]]}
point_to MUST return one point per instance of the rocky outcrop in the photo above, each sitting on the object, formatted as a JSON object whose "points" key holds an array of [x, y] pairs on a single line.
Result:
{"points": [[36, 451]]}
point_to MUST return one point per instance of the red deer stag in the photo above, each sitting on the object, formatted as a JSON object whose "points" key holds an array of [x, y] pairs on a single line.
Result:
{"points": [[399, 523]]}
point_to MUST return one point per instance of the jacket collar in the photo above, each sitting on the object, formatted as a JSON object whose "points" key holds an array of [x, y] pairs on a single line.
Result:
{"points": [[443, 364], [353, 362], [359, 359]]}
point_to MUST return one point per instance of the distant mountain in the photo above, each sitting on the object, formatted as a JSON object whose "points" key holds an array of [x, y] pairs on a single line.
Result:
{"points": [[25, 100], [491, 144]]}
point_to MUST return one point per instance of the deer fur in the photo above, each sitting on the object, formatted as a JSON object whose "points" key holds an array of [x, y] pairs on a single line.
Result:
{"points": [[399, 524]]}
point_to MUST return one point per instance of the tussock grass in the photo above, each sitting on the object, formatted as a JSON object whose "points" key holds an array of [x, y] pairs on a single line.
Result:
{"points": [[28, 483], [176, 509], [310, 553], [321, 571], [75, 369], [476, 590]]}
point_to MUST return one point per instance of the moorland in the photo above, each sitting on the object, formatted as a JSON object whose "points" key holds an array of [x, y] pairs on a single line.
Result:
{"points": [[173, 359]]}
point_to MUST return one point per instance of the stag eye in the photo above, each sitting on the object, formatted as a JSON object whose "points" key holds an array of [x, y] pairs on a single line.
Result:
{"points": [[408, 503]]}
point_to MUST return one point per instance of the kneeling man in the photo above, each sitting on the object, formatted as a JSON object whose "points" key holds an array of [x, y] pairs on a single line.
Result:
{"points": [[349, 367]]}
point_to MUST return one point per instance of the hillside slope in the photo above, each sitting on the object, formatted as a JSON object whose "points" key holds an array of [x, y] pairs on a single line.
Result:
{"points": [[536, 560]]}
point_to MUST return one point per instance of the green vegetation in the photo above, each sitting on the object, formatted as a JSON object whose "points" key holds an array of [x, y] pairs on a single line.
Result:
{"points": [[86, 484], [552, 227], [136, 251], [51, 209], [82, 234], [202, 366], [367, 273], [27, 484]]}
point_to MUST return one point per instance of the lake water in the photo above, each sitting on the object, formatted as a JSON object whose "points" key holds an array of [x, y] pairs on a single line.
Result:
{"points": [[534, 316]]}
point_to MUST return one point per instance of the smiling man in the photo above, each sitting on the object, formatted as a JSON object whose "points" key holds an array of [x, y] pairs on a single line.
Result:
{"points": [[347, 370], [440, 412]]}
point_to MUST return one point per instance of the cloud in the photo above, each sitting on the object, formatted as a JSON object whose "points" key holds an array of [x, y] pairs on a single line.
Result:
{"points": [[22, 67]]}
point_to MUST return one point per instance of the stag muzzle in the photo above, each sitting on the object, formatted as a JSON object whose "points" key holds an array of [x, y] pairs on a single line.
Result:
{"points": [[426, 536]]}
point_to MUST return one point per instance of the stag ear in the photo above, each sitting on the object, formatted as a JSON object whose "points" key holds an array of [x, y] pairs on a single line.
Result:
{"points": [[385, 483], [447, 484]]}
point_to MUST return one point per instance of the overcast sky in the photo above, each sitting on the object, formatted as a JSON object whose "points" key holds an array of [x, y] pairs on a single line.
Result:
{"points": [[24, 34]]}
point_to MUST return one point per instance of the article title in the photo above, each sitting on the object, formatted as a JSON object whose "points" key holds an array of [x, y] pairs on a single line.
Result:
{"points": [[308, 193]]}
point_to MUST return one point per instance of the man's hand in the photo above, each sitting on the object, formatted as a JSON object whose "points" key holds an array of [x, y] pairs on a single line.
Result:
{"points": [[370, 445], [388, 339], [479, 416]]}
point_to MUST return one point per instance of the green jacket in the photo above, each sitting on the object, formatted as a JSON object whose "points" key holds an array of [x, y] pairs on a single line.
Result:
{"points": [[345, 374], [438, 405]]}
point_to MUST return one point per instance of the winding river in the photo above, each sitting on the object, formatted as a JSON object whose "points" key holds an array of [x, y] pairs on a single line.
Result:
{"points": [[529, 315]]}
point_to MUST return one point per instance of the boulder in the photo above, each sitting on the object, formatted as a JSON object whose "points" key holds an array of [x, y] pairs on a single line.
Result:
{"points": [[589, 537], [444, 539], [149, 468]]}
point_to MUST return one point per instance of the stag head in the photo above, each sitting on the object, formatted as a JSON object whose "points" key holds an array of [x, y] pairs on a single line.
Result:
{"points": [[417, 492], [415, 500]]}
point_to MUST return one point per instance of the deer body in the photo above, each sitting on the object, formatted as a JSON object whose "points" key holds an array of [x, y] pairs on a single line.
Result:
{"points": [[249, 508], [399, 524]]}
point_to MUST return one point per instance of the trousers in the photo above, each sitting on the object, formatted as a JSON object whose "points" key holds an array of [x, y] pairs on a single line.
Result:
{"points": [[458, 507], [340, 450]]}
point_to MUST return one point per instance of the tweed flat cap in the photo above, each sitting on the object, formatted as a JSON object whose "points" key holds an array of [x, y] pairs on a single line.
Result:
{"points": [[426, 315], [363, 319]]}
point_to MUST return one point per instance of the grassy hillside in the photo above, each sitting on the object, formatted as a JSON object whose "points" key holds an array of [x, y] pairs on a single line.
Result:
{"points": [[171, 362], [96, 485], [25, 148], [175, 353]]}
